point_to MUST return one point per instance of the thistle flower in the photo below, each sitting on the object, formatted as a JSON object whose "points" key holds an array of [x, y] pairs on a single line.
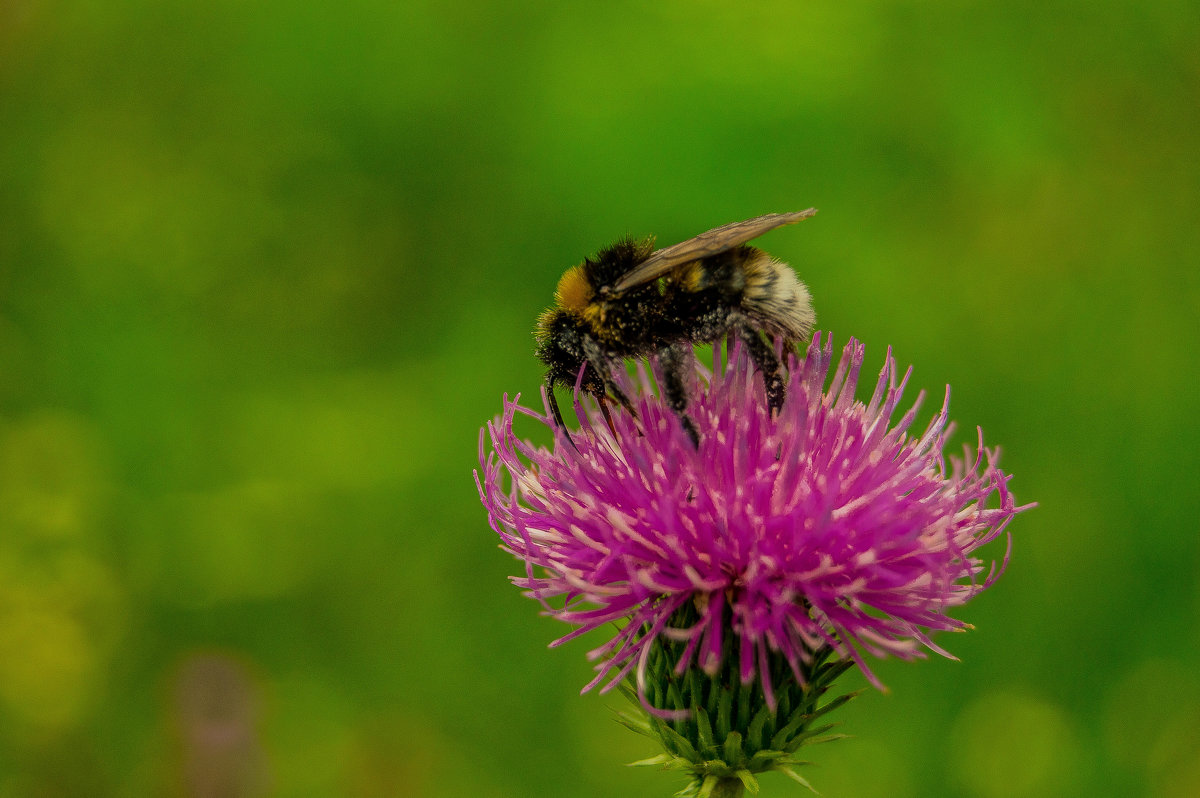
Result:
{"points": [[779, 545]]}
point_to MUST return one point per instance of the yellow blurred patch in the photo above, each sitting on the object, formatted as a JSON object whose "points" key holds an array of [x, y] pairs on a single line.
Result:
{"points": [[52, 477], [47, 667], [1017, 745], [62, 611], [1150, 724]]}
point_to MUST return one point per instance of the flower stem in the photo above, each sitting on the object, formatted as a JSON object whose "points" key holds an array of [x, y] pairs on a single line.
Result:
{"points": [[728, 788]]}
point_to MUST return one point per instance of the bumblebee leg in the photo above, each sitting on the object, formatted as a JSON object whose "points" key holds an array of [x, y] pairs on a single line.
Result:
{"points": [[598, 362], [603, 402], [673, 358], [764, 358]]}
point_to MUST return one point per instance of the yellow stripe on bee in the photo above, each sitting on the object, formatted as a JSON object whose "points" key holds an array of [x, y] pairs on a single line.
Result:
{"points": [[573, 292], [594, 315], [690, 276]]}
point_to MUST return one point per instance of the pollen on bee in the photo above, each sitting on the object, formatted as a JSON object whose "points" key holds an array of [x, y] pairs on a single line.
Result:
{"points": [[573, 292]]}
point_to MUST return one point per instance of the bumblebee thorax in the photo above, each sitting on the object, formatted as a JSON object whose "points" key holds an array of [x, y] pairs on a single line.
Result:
{"points": [[574, 292]]}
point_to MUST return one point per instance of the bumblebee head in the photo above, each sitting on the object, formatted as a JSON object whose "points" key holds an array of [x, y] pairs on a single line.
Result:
{"points": [[560, 335]]}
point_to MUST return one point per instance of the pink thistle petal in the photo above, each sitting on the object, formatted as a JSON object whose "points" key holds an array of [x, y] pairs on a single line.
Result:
{"points": [[824, 525]]}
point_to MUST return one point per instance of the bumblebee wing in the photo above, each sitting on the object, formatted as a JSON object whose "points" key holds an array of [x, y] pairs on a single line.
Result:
{"points": [[706, 245]]}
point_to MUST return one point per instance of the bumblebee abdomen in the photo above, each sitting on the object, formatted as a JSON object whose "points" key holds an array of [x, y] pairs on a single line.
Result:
{"points": [[774, 297]]}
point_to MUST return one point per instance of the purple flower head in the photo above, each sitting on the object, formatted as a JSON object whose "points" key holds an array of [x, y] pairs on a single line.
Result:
{"points": [[826, 526]]}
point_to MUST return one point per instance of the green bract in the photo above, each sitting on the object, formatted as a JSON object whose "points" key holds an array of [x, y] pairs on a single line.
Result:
{"points": [[731, 734]]}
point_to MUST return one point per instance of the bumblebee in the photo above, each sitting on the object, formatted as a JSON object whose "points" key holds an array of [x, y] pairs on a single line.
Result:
{"points": [[632, 301]]}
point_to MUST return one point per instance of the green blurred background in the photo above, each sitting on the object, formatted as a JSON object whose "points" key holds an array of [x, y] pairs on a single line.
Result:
{"points": [[265, 268]]}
